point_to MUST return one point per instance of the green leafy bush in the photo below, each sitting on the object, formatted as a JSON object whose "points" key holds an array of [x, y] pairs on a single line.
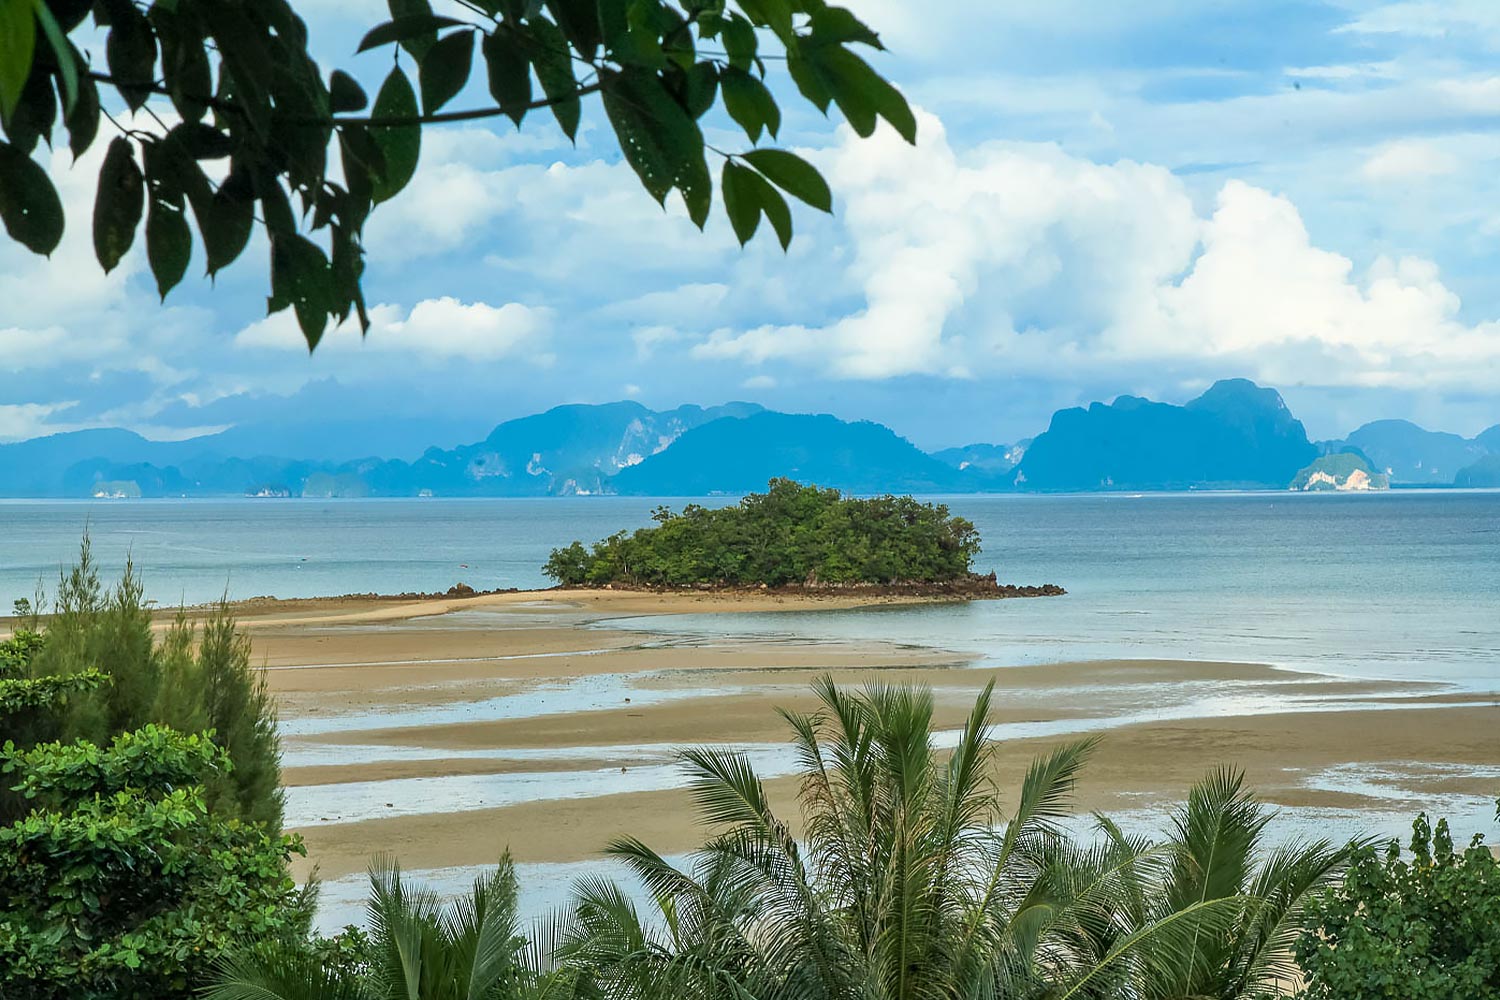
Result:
{"points": [[791, 534], [99, 670], [120, 882], [1427, 928]]}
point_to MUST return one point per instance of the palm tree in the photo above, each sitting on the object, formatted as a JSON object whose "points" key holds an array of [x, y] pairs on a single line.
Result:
{"points": [[419, 950], [908, 881], [1219, 853]]}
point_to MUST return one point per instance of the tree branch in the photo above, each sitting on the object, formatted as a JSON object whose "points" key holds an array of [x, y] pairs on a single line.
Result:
{"points": [[378, 121]]}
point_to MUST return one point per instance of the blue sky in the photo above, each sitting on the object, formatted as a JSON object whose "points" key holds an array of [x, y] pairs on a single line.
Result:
{"points": [[1105, 198]]}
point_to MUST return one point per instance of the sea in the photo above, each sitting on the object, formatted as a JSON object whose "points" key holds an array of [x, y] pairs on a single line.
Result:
{"points": [[1393, 585]]}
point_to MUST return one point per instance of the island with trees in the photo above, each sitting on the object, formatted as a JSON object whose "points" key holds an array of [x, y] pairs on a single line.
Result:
{"points": [[793, 536]]}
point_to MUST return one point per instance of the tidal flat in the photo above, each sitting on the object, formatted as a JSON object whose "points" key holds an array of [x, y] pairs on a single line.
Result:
{"points": [[447, 731]]}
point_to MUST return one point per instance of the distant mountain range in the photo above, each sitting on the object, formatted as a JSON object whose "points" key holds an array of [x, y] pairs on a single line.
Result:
{"points": [[1236, 435]]}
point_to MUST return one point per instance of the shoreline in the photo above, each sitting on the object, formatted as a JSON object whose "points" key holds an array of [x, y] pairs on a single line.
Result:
{"points": [[657, 600], [446, 730]]}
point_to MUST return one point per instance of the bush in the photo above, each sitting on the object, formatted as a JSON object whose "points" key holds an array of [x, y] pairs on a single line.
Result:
{"points": [[1423, 929], [120, 882], [791, 534], [99, 670]]}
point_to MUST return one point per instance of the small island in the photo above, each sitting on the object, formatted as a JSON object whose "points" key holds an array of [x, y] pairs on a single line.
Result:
{"points": [[793, 537], [1345, 472]]}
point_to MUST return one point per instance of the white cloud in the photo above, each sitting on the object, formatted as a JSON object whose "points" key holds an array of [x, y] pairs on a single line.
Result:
{"points": [[1023, 260], [434, 330], [19, 421], [1407, 159], [1432, 19]]}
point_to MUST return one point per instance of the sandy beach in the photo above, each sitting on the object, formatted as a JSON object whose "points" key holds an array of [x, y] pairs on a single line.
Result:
{"points": [[447, 730]]}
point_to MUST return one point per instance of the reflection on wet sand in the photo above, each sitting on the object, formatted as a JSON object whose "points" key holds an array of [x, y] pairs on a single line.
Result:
{"points": [[454, 730]]}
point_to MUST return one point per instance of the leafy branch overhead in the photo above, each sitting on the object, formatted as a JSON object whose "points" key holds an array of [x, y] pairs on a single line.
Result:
{"points": [[243, 122]]}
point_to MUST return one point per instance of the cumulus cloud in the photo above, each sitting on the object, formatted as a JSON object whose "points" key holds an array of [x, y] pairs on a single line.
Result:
{"points": [[433, 331], [1024, 260]]}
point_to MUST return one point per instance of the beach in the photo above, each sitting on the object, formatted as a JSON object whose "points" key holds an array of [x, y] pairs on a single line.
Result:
{"points": [[448, 730]]}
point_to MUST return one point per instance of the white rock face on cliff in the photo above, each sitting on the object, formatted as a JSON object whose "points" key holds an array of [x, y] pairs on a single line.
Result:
{"points": [[1345, 473]]}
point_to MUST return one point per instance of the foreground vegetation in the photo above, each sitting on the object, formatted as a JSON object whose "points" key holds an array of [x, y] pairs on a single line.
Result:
{"points": [[142, 858], [140, 801], [791, 534]]}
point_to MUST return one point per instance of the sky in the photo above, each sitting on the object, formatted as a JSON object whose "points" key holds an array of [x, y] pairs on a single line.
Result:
{"points": [[1105, 198]]}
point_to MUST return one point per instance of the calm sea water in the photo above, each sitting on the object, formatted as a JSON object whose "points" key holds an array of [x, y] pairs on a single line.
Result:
{"points": [[1390, 585]]}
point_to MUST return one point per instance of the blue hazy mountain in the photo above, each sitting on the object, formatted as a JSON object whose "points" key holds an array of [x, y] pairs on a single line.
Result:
{"points": [[1483, 473], [738, 456], [566, 450], [990, 458], [1237, 434], [1412, 454]]}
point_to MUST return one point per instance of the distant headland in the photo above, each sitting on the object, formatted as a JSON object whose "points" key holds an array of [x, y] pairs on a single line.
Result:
{"points": [[1236, 435]]}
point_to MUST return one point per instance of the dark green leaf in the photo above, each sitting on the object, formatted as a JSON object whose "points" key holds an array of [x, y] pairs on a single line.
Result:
{"points": [[345, 94], [614, 22], [794, 175], [83, 121], [62, 52], [741, 200], [774, 14], [202, 142], [509, 71], [661, 142], [749, 103], [17, 46], [275, 208], [740, 42], [445, 69], [776, 210], [423, 27], [119, 203], [700, 85], [184, 63], [225, 220], [417, 44], [400, 145], [861, 93], [808, 80], [169, 244], [29, 206], [34, 114], [838, 24], [579, 21], [131, 50], [554, 68], [301, 278]]}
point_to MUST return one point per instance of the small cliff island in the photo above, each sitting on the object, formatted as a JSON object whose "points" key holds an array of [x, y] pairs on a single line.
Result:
{"points": [[793, 538], [1345, 472]]}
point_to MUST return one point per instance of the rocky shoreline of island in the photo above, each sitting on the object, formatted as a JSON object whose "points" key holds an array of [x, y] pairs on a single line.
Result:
{"points": [[977, 586]]}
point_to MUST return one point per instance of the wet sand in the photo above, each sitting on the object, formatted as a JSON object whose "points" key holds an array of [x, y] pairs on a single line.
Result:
{"points": [[406, 722]]}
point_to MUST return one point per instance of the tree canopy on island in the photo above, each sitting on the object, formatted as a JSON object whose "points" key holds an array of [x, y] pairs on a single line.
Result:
{"points": [[791, 534], [236, 123]]}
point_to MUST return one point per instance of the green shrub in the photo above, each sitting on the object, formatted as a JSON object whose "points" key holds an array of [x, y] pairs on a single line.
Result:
{"points": [[99, 669], [120, 882], [791, 534], [1427, 928]]}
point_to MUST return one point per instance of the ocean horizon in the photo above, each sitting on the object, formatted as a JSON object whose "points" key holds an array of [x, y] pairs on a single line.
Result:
{"points": [[1398, 585]]}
